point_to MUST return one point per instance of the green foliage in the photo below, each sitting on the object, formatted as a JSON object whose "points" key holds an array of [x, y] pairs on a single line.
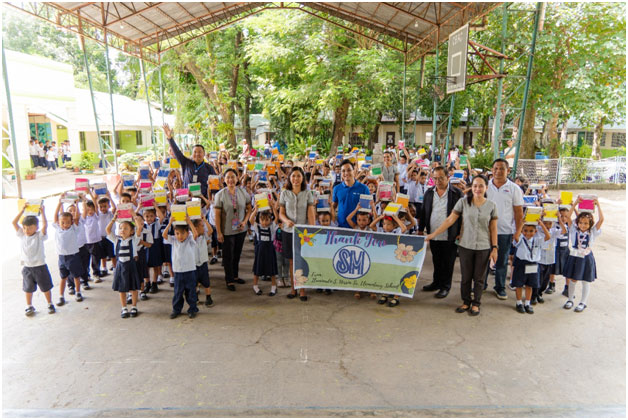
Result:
{"points": [[88, 160], [483, 159]]}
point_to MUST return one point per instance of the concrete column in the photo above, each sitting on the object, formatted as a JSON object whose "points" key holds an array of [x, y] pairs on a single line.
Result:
{"points": [[22, 132]]}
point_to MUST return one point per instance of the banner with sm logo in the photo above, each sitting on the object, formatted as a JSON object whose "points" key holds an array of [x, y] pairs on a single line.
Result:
{"points": [[347, 259]]}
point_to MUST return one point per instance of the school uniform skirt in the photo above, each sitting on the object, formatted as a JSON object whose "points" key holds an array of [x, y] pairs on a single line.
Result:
{"points": [[155, 253], [265, 263], [562, 254], [580, 268], [125, 277], [519, 276], [141, 263]]}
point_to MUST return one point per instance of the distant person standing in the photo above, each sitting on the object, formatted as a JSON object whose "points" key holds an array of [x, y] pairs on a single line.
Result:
{"points": [[32, 151], [509, 152], [41, 153]]}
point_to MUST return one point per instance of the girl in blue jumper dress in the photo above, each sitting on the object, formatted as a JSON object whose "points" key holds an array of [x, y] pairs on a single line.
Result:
{"points": [[580, 264]]}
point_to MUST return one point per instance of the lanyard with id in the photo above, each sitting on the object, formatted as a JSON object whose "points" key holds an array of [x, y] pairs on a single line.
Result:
{"points": [[530, 268], [234, 201], [196, 169]]}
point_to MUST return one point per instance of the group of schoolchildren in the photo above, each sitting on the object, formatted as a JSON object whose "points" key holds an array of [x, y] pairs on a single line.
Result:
{"points": [[47, 155], [147, 248], [545, 249]]}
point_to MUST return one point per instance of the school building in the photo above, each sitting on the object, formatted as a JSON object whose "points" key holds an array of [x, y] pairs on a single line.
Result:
{"points": [[47, 106], [389, 132]]}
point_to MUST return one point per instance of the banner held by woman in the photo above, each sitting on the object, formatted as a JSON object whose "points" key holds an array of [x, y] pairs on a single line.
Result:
{"points": [[346, 259]]}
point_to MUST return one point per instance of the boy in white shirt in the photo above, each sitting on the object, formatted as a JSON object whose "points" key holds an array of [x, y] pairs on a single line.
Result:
{"points": [[35, 272], [66, 240], [184, 266], [51, 159]]}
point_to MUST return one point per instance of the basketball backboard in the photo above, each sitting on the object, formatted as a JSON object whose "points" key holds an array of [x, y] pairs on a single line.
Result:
{"points": [[457, 60]]}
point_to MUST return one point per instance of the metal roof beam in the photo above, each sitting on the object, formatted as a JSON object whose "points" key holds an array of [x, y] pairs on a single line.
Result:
{"points": [[392, 6]]}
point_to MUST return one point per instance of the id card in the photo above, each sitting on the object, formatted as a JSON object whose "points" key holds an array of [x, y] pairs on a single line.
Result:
{"points": [[194, 178], [531, 269], [234, 223]]}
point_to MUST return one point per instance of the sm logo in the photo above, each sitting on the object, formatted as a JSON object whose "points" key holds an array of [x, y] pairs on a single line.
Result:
{"points": [[351, 262]]}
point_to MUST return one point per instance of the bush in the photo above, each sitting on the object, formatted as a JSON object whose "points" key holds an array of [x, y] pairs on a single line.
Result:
{"points": [[483, 159], [88, 160]]}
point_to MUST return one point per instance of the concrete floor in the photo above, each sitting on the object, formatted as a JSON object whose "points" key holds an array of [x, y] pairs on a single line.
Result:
{"points": [[332, 356]]}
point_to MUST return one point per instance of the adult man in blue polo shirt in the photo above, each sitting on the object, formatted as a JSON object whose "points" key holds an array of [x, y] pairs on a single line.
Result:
{"points": [[347, 194], [195, 169]]}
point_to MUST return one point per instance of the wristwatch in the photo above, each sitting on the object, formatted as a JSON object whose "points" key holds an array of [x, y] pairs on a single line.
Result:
{"points": [[493, 246]]}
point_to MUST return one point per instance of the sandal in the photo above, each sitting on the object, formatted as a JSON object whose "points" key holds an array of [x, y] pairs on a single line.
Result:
{"points": [[568, 305], [382, 300], [474, 312], [393, 302], [462, 309]]}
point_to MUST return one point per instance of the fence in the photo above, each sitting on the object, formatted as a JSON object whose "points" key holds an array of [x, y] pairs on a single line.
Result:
{"points": [[571, 170]]}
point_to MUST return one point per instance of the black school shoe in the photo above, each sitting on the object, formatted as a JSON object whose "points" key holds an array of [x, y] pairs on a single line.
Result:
{"points": [[129, 299], [124, 313], [192, 315], [213, 261], [153, 288], [134, 312], [520, 308], [71, 291], [173, 314], [540, 299], [551, 289], [529, 309], [209, 302], [430, 288]]}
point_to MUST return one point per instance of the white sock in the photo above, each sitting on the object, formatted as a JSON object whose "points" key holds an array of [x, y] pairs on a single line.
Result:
{"points": [[273, 289], [256, 288], [571, 290], [586, 287], [527, 303], [519, 302]]}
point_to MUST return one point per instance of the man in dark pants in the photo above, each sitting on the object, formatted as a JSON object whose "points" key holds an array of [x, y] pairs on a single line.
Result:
{"points": [[438, 204]]}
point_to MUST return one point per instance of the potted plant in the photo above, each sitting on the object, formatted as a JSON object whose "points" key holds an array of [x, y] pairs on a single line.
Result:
{"points": [[86, 164], [30, 174]]}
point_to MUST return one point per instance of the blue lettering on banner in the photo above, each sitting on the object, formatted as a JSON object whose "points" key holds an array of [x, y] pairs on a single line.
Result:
{"points": [[351, 262]]}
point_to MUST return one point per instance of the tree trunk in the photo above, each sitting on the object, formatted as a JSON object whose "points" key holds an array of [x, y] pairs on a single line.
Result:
{"points": [[340, 121], [374, 132], [528, 136], [233, 87], [245, 111], [597, 136], [563, 134], [552, 134], [485, 139]]}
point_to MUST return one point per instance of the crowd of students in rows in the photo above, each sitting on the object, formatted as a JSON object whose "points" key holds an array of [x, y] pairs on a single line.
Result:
{"points": [[478, 218]]}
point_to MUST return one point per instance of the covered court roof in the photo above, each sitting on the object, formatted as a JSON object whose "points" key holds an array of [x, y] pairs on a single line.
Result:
{"points": [[146, 29]]}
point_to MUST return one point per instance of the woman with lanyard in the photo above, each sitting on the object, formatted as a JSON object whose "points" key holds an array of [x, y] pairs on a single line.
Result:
{"points": [[296, 206], [389, 171], [232, 206], [478, 242]]}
